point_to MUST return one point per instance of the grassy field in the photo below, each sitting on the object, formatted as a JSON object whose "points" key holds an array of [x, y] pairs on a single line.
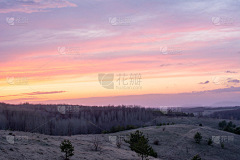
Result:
{"points": [[175, 142]]}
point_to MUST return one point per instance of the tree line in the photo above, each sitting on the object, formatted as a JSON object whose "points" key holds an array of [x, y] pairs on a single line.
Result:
{"points": [[46, 119]]}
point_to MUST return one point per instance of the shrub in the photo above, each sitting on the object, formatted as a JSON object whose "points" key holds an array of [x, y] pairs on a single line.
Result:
{"points": [[209, 141], [200, 124], [66, 146], [222, 124], [167, 123], [237, 130], [198, 137], [197, 157], [139, 143], [222, 145], [230, 124], [119, 143], [156, 142], [105, 132], [164, 124], [96, 144], [173, 123]]}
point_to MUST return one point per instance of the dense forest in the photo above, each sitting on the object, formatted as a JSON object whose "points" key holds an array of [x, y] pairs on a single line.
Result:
{"points": [[65, 119]]}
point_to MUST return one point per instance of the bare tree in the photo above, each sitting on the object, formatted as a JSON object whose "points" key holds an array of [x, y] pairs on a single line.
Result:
{"points": [[97, 145]]}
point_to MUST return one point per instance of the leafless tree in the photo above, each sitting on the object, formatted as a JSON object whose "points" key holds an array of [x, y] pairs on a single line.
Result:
{"points": [[96, 144]]}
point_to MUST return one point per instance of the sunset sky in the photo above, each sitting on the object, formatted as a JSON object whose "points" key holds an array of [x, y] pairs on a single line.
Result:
{"points": [[150, 53]]}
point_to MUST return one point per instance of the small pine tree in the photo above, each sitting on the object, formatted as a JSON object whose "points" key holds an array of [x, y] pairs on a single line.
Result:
{"points": [[209, 141], [198, 137], [222, 145], [139, 143], [67, 147], [197, 157]]}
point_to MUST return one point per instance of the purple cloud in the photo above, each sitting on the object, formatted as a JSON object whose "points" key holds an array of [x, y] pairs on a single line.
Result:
{"points": [[204, 82], [231, 72], [234, 81]]}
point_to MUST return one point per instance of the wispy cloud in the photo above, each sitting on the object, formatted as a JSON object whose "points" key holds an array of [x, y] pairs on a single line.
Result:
{"points": [[29, 6], [230, 72], [204, 82]]}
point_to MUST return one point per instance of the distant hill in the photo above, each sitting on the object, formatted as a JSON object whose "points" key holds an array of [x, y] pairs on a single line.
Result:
{"points": [[226, 103]]}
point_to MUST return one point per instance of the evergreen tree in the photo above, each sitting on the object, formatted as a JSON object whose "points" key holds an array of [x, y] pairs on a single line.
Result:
{"points": [[198, 137], [66, 146], [139, 143]]}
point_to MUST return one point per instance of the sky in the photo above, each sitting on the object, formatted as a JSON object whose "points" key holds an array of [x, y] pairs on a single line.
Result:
{"points": [[150, 53]]}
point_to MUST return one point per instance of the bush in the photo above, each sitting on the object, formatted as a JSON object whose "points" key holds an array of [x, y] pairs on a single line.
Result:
{"points": [[237, 130], [200, 124], [66, 146], [139, 143], [222, 145], [173, 123], [197, 137], [105, 132], [119, 143], [222, 124], [167, 123], [164, 124], [209, 141], [197, 157], [156, 142], [96, 144]]}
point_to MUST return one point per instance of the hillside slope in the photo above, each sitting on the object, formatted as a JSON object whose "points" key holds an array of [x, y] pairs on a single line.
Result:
{"points": [[176, 142]]}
